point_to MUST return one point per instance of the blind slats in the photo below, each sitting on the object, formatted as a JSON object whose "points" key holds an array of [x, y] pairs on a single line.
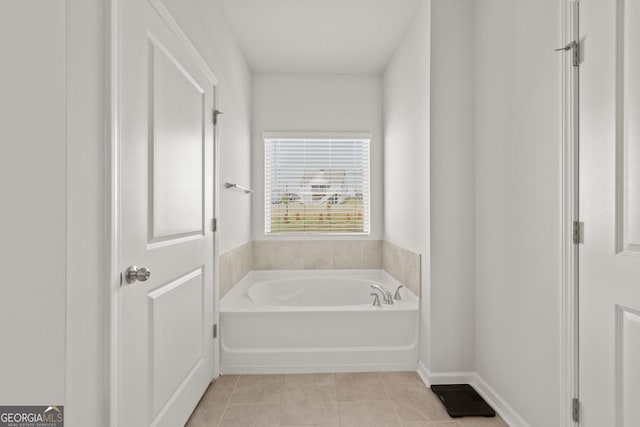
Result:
{"points": [[317, 186]]}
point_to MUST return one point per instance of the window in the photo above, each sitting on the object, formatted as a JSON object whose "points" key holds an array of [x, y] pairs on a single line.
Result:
{"points": [[317, 185]]}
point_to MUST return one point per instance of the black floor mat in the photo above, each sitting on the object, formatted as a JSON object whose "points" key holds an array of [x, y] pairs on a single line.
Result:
{"points": [[461, 400]]}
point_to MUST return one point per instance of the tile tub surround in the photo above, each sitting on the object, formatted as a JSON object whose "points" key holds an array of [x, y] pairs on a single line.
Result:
{"points": [[317, 254], [403, 265], [348, 399], [234, 265]]}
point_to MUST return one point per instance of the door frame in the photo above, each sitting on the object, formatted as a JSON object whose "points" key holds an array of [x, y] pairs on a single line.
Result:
{"points": [[569, 301], [113, 231]]}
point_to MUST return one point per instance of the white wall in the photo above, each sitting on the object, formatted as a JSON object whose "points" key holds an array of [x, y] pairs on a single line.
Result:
{"points": [[33, 202], [204, 23], [518, 232], [406, 152], [452, 187], [86, 64], [322, 103]]}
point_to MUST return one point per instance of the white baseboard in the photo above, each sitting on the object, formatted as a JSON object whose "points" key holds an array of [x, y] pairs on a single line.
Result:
{"points": [[312, 369], [430, 378], [423, 372], [497, 402]]}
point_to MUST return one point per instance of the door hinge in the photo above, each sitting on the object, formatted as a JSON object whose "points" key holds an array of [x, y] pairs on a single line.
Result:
{"points": [[216, 113], [575, 409], [574, 47], [215, 330], [578, 232], [214, 224]]}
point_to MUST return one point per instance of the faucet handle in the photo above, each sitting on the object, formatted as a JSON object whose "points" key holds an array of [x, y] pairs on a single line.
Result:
{"points": [[376, 299], [397, 295]]}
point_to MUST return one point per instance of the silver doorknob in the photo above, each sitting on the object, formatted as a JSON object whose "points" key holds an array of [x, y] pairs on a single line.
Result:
{"points": [[133, 274]]}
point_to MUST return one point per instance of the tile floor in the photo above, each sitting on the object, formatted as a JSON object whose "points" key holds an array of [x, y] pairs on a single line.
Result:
{"points": [[385, 399]]}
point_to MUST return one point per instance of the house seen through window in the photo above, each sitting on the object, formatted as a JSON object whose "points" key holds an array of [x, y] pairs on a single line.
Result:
{"points": [[317, 185]]}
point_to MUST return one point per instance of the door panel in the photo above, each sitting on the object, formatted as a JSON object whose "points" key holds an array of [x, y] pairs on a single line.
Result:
{"points": [[176, 147], [609, 276], [165, 137], [628, 367], [628, 155], [176, 338]]}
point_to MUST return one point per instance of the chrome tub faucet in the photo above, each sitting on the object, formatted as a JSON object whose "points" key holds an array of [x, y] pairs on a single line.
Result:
{"points": [[386, 295]]}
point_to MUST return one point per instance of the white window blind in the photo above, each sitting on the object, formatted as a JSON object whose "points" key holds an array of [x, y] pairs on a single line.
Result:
{"points": [[317, 186]]}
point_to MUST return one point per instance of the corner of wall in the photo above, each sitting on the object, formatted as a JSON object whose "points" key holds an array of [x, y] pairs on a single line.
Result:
{"points": [[495, 400], [406, 93], [452, 187]]}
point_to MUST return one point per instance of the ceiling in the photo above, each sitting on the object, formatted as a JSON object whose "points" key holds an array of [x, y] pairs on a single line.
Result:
{"points": [[319, 36]]}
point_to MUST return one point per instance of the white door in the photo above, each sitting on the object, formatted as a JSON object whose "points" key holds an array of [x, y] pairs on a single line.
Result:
{"points": [[609, 278], [165, 133]]}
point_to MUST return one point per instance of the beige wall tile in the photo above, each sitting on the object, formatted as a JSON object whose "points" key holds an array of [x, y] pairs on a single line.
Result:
{"points": [[262, 255], [247, 258], [386, 248], [234, 265], [226, 273], [391, 260], [403, 265], [316, 254], [412, 272], [347, 254], [287, 255], [241, 259], [371, 254]]}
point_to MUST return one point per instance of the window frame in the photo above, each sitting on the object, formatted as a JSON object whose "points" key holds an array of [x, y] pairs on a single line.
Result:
{"points": [[292, 135]]}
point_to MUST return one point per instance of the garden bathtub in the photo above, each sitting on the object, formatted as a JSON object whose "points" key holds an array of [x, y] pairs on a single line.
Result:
{"points": [[316, 321]]}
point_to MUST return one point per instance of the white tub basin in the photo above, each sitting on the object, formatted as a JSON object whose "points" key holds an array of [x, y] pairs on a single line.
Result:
{"points": [[316, 321]]}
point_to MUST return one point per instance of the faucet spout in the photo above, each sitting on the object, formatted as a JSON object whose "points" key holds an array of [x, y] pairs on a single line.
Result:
{"points": [[386, 295], [397, 295]]}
